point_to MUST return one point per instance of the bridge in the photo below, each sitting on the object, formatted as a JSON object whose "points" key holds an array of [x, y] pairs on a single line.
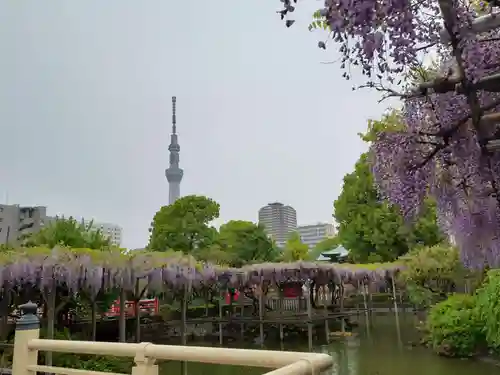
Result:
{"points": [[27, 344]]}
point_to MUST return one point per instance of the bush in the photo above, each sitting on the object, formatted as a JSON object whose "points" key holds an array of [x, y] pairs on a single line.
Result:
{"points": [[454, 327], [488, 304], [431, 273]]}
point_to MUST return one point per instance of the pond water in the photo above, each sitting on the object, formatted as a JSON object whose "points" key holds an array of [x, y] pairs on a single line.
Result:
{"points": [[377, 351]]}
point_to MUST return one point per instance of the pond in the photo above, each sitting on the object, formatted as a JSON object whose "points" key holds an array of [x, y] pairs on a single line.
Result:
{"points": [[379, 351]]}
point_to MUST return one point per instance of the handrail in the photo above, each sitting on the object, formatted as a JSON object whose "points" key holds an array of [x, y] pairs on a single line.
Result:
{"points": [[224, 356], [27, 343]]}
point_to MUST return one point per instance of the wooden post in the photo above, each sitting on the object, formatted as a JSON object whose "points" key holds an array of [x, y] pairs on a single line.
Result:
{"points": [[27, 329], [394, 297], [221, 337], [367, 313], [281, 305], [309, 313], [396, 313], [242, 325], [341, 292], [184, 308], [325, 306], [357, 302], [261, 311], [466, 287], [184, 316], [370, 303], [122, 319]]}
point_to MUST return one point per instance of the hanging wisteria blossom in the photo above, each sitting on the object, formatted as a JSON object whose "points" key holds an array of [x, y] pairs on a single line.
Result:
{"points": [[378, 36], [442, 152]]}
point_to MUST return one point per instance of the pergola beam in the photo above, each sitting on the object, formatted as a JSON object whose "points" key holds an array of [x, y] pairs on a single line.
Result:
{"points": [[479, 25]]}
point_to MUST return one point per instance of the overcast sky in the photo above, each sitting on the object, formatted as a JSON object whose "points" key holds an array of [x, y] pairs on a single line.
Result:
{"points": [[85, 108]]}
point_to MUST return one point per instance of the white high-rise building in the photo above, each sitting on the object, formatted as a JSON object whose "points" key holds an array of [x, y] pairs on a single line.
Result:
{"points": [[313, 234], [112, 231], [280, 221]]}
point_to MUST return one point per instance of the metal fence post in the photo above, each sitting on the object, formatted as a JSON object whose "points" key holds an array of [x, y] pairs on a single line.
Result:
{"points": [[27, 328]]}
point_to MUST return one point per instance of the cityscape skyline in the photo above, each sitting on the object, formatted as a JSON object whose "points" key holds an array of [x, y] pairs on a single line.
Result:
{"points": [[18, 221], [8, 218], [86, 111]]}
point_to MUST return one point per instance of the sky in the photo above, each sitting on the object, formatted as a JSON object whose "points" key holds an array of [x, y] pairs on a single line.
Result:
{"points": [[263, 114]]}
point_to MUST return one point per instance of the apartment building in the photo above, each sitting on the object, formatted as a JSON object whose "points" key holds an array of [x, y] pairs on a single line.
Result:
{"points": [[112, 231], [18, 222], [279, 221], [313, 234]]}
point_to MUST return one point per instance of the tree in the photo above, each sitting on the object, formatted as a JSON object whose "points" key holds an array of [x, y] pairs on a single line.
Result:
{"points": [[215, 255], [371, 228], [368, 225], [295, 249], [246, 242], [69, 232], [184, 225]]}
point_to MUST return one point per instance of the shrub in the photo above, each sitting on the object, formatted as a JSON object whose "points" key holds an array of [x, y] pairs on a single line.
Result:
{"points": [[454, 327], [488, 304], [431, 273]]}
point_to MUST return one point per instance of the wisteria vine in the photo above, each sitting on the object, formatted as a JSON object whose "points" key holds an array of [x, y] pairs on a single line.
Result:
{"points": [[94, 271], [382, 37], [443, 151]]}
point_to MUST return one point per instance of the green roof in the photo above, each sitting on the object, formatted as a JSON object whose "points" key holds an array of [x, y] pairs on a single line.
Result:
{"points": [[340, 251]]}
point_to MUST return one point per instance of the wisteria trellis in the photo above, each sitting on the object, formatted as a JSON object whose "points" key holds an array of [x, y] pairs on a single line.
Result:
{"points": [[95, 270]]}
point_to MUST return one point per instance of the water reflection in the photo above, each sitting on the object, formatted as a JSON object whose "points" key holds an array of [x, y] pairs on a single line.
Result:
{"points": [[379, 351]]}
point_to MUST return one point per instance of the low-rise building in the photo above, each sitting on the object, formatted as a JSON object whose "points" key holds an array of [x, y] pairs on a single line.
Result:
{"points": [[313, 234], [18, 222]]}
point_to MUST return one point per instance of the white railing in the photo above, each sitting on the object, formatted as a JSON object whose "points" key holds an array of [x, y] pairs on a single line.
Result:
{"points": [[27, 344]]}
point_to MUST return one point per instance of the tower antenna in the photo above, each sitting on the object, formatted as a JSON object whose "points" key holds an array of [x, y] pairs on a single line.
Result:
{"points": [[174, 118]]}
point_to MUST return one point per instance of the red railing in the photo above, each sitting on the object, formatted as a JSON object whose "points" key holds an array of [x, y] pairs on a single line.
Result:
{"points": [[146, 306]]}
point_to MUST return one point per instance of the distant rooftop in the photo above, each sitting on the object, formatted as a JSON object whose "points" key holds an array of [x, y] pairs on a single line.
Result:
{"points": [[314, 225], [339, 251]]}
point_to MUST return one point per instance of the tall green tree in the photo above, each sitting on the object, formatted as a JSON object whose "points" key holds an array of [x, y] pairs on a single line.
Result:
{"points": [[295, 249], [370, 228], [71, 233], [185, 225], [246, 242], [215, 255]]}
